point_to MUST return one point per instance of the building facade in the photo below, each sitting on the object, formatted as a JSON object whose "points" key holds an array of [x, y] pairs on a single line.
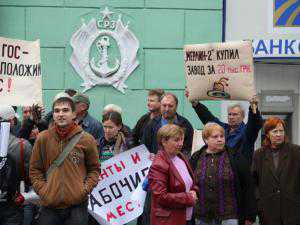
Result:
{"points": [[162, 28], [274, 27]]}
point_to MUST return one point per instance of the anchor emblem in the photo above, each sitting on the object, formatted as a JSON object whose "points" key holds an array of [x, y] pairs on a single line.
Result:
{"points": [[101, 68], [101, 35]]}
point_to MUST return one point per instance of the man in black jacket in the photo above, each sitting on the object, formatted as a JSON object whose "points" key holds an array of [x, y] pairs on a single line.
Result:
{"points": [[153, 105], [169, 103]]}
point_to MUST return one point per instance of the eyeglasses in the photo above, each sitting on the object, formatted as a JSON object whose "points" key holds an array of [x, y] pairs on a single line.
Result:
{"points": [[233, 114], [274, 132]]}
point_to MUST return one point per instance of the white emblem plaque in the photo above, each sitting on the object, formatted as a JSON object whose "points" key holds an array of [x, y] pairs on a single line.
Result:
{"points": [[92, 46]]}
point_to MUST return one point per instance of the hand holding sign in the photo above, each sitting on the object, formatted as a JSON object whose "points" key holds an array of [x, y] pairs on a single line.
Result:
{"points": [[187, 94], [253, 103]]}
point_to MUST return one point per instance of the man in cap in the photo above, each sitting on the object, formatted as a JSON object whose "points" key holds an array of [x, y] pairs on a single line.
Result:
{"points": [[84, 119], [64, 187], [13, 171]]}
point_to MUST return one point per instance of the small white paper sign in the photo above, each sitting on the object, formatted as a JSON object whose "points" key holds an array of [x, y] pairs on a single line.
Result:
{"points": [[4, 136], [31, 197]]}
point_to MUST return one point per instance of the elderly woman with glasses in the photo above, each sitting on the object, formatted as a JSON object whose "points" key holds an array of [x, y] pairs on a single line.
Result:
{"points": [[276, 170], [224, 180], [171, 180]]}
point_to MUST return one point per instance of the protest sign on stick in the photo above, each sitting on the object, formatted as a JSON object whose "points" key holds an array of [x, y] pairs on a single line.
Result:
{"points": [[118, 198], [20, 72], [219, 71]]}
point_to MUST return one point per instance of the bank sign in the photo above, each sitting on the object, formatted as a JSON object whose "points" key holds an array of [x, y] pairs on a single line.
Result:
{"points": [[276, 48], [272, 25]]}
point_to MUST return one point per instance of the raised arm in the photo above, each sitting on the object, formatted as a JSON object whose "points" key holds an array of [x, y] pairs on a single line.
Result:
{"points": [[254, 123]]}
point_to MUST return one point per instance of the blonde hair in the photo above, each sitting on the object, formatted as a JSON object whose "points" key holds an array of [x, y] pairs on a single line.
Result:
{"points": [[209, 128], [168, 131]]}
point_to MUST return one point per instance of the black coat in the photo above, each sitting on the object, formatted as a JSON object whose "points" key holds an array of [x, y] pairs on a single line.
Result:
{"points": [[139, 128], [244, 185], [278, 190], [8, 180], [150, 134]]}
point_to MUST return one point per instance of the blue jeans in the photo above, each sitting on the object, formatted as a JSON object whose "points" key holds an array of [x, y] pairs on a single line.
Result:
{"points": [[74, 215], [28, 214]]}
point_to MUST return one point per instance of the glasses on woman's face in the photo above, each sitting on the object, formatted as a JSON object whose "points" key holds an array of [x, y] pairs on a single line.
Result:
{"points": [[277, 131]]}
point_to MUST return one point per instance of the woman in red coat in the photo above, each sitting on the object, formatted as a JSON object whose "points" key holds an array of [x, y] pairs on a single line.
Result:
{"points": [[171, 180]]}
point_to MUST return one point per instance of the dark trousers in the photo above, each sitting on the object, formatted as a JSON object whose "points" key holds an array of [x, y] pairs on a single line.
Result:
{"points": [[74, 215], [10, 214], [144, 218], [190, 222]]}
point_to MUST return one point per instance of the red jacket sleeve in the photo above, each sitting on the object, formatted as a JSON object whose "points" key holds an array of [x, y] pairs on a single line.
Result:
{"points": [[159, 180]]}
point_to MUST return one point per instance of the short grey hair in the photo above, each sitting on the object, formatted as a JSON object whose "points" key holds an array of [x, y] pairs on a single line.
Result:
{"points": [[112, 108], [237, 105]]}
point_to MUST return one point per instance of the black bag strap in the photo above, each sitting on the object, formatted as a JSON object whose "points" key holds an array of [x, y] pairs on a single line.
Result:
{"points": [[59, 160]]}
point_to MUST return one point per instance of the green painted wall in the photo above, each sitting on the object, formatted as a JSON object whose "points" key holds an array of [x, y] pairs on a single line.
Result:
{"points": [[162, 27]]}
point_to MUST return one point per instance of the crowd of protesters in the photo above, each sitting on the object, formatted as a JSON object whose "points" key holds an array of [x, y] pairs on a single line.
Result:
{"points": [[58, 154]]}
